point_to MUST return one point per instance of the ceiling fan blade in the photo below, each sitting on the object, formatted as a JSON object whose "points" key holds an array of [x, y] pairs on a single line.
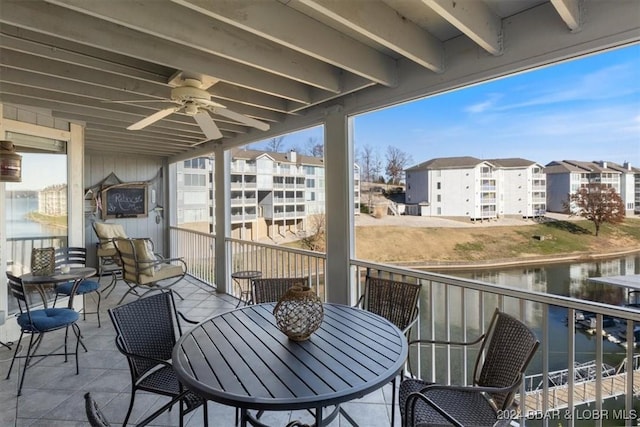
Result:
{"points": [[240, 118], [208, 126], [137, 101], [153, 118], [210, 103]]}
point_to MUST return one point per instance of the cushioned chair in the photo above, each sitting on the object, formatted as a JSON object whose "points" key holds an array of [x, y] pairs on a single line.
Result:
{"points": [[272, 289], [36, 323], [77, 257], [144, 269], [397, 302], [106, 252], [146, 334], [504, 354]]}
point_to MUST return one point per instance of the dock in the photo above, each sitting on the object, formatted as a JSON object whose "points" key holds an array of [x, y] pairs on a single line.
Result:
{"points": [[613, 380]]}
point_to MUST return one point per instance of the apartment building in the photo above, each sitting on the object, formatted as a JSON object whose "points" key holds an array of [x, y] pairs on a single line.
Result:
{"points": [[194, 181], [565, 177], [52, 200], [272, 195], [477, 189]]}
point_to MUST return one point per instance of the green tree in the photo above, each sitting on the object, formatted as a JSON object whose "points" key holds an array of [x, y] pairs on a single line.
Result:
{"points": [[597, 203]]}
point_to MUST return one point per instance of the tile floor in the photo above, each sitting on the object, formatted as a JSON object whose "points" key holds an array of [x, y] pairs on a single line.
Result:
{"points": [[52, 394]]}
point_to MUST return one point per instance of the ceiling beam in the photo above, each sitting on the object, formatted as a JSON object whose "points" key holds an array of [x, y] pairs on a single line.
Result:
{"points": [[570, 12], [134, 137], [71, 25], [33, 43], [474, 19], [205, 34], [39, 58], [127, 87], [385, 26], [284, 25], [102, 143]]}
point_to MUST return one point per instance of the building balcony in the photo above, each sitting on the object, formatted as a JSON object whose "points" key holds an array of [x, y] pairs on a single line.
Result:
{"points": [[251, 169]]}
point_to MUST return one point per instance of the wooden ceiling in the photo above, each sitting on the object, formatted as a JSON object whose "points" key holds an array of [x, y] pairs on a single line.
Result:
{"points": [[281, 62]]}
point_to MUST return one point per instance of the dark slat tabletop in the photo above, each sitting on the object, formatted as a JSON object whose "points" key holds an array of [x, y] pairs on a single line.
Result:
{"points": [[240, 358]]}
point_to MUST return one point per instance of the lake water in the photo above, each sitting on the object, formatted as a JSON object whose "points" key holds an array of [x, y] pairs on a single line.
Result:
{"points": [[19, 226], [567, 279]]}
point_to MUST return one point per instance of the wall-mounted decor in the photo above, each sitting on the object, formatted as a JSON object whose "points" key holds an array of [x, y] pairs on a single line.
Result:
{"points": [[124, 201]]}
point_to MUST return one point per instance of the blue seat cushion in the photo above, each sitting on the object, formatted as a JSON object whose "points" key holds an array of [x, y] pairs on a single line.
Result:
{"points": [[84, 287], [47, 319]]}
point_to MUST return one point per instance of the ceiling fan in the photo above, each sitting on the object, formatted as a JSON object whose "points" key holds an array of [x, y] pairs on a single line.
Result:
{"points": [[193, 100]]}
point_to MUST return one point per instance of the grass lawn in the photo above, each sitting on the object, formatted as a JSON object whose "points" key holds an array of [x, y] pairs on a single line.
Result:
{"points": [[459, 245]]}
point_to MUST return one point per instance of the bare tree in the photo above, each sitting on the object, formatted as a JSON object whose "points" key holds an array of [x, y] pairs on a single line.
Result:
{"points": [[370, 164], [397, 160], [315, 148], [597, 203], [275, 144], [315, 238]]}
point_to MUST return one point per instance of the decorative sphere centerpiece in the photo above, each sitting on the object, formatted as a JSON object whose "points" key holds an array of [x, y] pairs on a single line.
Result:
{"points": [[299, 313]]}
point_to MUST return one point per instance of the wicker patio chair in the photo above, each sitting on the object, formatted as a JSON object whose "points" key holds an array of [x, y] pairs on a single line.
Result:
{"points": [[505, 352], [77, 257], [394, 300], [397, 302], [37, 323], [94, 415], [142, 268], [272, 289], [146, 334]]}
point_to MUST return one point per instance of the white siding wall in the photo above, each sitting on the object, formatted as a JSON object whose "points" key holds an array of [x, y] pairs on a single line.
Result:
{"points": [[459, 192], [627, 191], [516, 197], [128, 168]]}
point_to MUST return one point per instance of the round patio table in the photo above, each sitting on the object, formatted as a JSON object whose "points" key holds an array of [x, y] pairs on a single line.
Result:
{"points": [[75, 274], [241, 359]]}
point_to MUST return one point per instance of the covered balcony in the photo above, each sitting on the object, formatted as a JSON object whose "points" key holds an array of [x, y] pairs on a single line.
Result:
{"points": [[71, 76]]}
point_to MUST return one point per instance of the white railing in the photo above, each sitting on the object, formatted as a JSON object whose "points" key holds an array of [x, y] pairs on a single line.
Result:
{"points": [[278, 261], [19, 259], [459, 309], [19, 250], [198, 251]]}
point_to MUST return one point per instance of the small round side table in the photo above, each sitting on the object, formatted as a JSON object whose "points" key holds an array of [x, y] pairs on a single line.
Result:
{"points": [[245, 291]]}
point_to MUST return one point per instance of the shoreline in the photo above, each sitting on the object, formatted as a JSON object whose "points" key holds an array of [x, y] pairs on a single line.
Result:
{"points": [[452, 265]]}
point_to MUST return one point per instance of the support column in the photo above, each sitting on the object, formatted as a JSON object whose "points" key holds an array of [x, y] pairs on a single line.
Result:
{"points": [[222, 213], [338, 153]]}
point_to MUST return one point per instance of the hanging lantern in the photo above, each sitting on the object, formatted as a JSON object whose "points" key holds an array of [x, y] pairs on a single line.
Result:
{"points": [[10, 163]]}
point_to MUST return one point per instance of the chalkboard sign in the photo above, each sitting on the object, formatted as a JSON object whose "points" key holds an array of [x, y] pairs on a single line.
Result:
{"points": [[124, 201]]}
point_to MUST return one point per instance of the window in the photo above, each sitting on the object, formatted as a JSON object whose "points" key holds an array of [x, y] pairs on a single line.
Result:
{"points": [[36, 208], [438, 185], [439, 198]]}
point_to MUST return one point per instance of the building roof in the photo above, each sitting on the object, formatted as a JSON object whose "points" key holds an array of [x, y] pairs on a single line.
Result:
{"points": [[466, 162], [448, 163], [301, 159], [626, 168], [568, 166], [511, 163]]}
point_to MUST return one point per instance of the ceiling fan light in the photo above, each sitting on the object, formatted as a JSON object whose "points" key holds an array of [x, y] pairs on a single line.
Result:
{"points": [[191, 109], [10, 163]]}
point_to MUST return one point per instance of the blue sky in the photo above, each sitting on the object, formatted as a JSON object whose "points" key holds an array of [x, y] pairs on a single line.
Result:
{"points": [[586, 109]]}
